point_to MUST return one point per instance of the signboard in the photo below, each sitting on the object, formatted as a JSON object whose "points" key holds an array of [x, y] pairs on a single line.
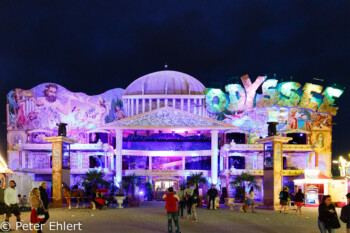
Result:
{"points": [[285, 94]]}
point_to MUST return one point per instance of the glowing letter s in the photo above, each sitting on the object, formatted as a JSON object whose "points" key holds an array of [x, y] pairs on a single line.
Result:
{"points": [[290, 99]]}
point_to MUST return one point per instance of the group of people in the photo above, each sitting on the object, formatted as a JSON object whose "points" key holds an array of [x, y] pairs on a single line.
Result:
{"points": [[10, 204], [285, 200], [327, 215], [188, 199]]}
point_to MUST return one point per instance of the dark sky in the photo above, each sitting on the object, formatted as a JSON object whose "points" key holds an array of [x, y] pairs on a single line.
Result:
{"points": [[93, 46]]}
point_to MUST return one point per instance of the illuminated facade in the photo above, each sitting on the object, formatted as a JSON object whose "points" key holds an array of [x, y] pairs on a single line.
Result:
{"points": [[166, 125]]}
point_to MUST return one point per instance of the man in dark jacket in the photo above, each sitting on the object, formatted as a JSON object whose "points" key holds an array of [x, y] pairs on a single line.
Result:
{"points": [[45, 199], [212, 193], [345, 213]]}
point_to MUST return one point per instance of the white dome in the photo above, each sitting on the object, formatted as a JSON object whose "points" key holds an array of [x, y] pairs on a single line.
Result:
{"points": [[165, 82]]}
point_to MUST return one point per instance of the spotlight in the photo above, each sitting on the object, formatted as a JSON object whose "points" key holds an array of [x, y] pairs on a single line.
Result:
{"points": [[301, 134], [199, 133]]}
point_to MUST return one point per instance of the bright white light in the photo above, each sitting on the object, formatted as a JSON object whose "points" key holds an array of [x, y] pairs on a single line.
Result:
{"points": [[311, 172], [3, 161], [194, 154]]}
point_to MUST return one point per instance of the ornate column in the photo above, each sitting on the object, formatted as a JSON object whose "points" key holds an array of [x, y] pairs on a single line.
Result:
{"points": [[57, 172], [118, 153], [273, 169], [214, 156]]}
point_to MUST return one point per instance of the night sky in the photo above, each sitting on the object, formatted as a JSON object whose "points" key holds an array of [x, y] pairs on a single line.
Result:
{"points": [[93, 46]]}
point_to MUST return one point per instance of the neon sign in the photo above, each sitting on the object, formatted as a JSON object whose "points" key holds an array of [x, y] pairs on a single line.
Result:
{"points": [[286, 94]]}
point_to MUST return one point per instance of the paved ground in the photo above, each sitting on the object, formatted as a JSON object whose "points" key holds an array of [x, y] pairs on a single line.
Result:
{"points": [[151, 218]]}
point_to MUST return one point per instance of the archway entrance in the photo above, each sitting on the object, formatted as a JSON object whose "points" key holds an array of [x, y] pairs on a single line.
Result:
{"points": [[161, 185]]}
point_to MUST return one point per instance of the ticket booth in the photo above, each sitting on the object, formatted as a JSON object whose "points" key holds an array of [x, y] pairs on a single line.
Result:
{"points": [[314, 185]]}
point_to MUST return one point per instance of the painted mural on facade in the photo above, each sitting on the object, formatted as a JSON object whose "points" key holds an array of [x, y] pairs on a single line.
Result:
{"points": [[45, 105]]}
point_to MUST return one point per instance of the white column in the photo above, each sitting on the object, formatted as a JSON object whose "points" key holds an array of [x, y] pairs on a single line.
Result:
{"points": [[195, 106], [166, 102], [150, 104], [188, 105], [214, 156], [137, 107], [112, 162], [132, 107], [106, 160], [173, 103], [200, 107], [143, 105], [183, 162], [118, 152], [150, 163], [150, 168], [182, 104], [202, 103], [128, 107], [158, 103]]}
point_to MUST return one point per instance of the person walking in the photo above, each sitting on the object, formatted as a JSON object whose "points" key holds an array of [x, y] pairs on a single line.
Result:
{"points": [[37, 214], [244, 201], [2, 203], [345, 214], [327, 216], [171, 200], [194, 201], [284, 195], [188, 195], [45, 199], [181, 195], [250, 201], [11, 203], [298, 201], [212, 193]]}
